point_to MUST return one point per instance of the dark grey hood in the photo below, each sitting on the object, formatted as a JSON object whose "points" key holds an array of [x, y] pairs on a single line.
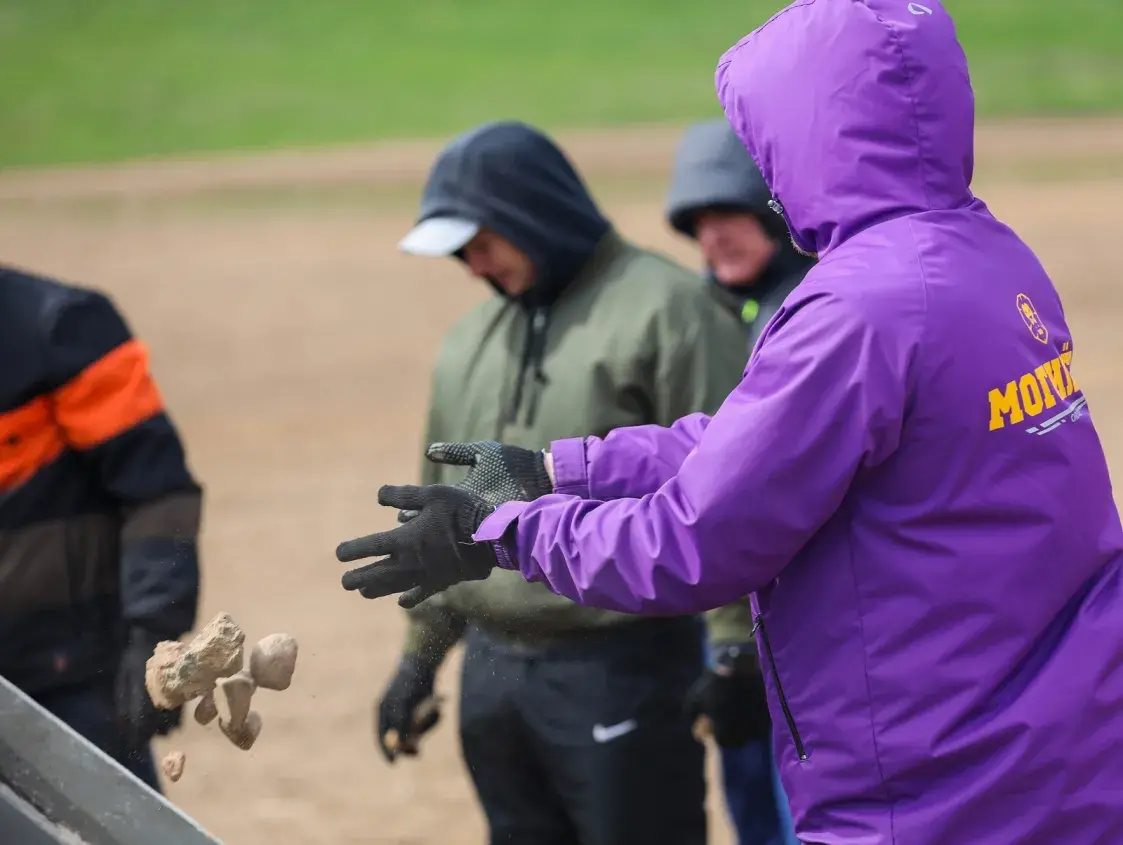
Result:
{"points": [[712, 169], [511, 178]]}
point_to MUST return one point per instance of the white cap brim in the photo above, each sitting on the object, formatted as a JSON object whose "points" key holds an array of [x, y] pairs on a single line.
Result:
{"points": [[438, 237]]}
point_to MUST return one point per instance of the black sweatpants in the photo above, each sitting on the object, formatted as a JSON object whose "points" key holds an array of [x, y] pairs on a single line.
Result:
{"points": [[586, 743]]}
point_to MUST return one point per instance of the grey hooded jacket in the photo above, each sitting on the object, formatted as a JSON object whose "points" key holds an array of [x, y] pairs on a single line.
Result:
{"points": [[712, 170]]}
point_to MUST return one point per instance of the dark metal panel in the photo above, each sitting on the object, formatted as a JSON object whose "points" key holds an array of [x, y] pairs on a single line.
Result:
{"points": [[72, 783]]}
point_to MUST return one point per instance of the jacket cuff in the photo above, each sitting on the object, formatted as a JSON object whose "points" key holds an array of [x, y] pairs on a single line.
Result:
{"points": [[495, 527], [571, 471], [159, 584]]}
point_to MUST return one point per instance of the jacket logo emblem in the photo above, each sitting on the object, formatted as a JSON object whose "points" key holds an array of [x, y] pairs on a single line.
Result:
{"points": [[607, 734], [1032, 319], [750, 310]]}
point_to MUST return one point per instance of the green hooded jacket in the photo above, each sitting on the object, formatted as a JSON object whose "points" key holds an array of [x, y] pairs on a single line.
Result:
{"points": [[628, 337]]}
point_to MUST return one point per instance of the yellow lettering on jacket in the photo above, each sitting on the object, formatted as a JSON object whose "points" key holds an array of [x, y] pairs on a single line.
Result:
{"points": [[1032, 403], [1004, 403], [1056, 376], [1033, 393], [1066, 365], [1043, 382]]}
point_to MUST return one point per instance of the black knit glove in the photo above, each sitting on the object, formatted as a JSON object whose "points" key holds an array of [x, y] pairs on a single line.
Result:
{"points": [[138, 719], [407, 709], [497, 473], [426, 555], [732, 698]]}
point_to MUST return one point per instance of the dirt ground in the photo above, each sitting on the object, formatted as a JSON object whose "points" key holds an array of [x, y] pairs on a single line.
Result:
{"points": [[293, 343]]}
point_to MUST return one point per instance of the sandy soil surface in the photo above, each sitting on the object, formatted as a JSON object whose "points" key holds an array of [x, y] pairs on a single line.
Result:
{"points": [[293, 344]]}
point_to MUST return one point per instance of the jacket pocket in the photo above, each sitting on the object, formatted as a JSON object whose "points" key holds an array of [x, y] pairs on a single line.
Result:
{"points": [[759, 630]]}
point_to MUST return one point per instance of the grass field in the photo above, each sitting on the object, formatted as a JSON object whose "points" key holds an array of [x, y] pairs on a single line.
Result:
{"points": [[119, 79]]}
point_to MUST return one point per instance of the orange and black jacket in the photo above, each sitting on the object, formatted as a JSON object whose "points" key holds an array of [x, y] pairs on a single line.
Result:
{"points": [[99, 513]]}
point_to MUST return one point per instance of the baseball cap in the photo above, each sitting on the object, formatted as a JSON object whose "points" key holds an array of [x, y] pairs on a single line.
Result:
{"points": [[438, 237]]}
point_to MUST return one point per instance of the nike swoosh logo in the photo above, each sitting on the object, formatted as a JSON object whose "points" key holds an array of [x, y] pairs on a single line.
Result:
{"points": [[601, 733]]}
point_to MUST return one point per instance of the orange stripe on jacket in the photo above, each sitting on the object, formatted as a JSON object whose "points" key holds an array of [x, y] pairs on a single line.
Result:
{"points": [[29, 440], [109, 397]]}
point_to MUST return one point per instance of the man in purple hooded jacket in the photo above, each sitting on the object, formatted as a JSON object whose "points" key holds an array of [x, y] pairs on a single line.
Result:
{"points": [[907, 478]]}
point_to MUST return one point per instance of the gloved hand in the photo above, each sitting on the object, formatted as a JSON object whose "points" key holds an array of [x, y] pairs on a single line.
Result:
{"points": [[497, 473], [402, 715], [138, 719], [731, 696], [426, 555]]}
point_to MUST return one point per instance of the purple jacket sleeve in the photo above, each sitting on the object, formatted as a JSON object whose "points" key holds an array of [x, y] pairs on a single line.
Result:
{"points": [[823, 397], [628, 462]]}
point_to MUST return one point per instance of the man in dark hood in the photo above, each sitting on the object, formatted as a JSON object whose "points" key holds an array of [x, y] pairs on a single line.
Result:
{"points": [[718, 198], [510, 185], [573, 721]]}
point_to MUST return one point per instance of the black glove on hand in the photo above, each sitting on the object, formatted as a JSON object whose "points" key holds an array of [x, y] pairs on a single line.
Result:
{"points": [[399, 710], [732, 697], [429, 553], [497, 473], [138, 719]]}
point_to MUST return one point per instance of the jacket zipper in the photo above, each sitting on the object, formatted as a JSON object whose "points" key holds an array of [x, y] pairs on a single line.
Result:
{"points": [[788, 717]]}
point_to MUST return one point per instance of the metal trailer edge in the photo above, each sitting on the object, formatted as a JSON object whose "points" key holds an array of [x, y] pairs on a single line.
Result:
{"points": [[56, 788]]}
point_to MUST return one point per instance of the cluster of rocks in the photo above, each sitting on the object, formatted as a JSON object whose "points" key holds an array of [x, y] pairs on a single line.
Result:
{"points": [[211, 668]]}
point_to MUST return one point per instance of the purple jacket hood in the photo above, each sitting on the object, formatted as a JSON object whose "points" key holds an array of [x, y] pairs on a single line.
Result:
{"points": [[861, 111]]}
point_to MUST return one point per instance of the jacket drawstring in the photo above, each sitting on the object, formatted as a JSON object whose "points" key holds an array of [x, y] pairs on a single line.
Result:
{"points": [[533, 355]]}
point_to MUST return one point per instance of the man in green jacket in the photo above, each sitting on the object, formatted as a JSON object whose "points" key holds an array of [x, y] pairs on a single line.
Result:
{"points": [[575, 723]]}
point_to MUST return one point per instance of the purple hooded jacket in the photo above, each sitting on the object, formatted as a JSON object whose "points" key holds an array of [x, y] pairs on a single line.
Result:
{"points": [[908, 477]]}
